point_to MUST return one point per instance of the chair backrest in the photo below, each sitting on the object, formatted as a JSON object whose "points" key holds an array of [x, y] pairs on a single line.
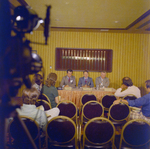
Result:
{"points": [[119, 112], [130, 96], [91, 110], [44, 103], [68, 108], [16, 132], [88, 97], [135, 133], [61, 130], [44, 97], [98, 131], [107, 101]]}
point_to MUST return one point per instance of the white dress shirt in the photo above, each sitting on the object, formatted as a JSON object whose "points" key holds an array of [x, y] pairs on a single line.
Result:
{"points": [[130, 90], [33, 112]]}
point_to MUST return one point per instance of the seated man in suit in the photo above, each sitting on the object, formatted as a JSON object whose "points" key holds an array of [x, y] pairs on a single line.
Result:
{"points": [[68, 80], [85, 81], [102, 81]]}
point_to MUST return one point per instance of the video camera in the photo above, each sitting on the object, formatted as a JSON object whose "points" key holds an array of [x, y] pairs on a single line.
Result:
{"points": [[18, 60]]}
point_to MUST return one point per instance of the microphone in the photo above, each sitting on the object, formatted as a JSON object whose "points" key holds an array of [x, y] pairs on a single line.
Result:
{"points": [[46, 24]]}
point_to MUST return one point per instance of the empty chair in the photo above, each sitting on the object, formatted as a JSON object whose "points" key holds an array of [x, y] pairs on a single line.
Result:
{"points": [[46, 105], [107, 101], [119, 113], [85, 98], [20, 140], [91, 110], [88, 97], [98, 133], [61, 133], [135, 134], [130, 96], [68, 108]]}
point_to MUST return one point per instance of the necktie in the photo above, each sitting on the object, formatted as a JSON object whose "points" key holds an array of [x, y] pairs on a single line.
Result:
{"points": [[85, 81], [69, 80]]}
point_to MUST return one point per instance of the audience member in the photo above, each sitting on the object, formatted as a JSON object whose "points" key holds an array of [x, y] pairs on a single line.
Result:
{"points": [[68, 80], [85, 81], [37, 82], [126, 88], [143, 101], [102, 81], [29, 109], [50, 90]]}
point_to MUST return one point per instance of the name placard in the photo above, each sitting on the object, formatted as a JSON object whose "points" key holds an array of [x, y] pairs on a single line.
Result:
{"points": [[108, 89], [87, 89], [68, 88]]}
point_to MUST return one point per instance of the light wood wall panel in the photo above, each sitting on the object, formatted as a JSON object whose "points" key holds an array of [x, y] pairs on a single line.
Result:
{"points": [[131, 53]]}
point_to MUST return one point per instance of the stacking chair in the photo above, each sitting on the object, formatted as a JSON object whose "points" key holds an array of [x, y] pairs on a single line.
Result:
{"points": [[44, 97], [130, 96], [88, 97], [98, 133], [69, 109], [135, 134], [61, 133], [91, 110], [46, 105], [85, 98], [119, 114], [20, 140], [107, 101]]}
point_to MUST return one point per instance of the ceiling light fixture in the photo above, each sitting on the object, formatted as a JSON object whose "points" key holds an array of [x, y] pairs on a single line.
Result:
{"points": [[116, 21]]}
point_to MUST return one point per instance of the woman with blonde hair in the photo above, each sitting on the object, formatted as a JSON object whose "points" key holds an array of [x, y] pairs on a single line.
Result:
{"points": [[50, 90]]}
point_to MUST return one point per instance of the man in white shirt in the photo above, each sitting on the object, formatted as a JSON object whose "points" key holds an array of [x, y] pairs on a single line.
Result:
{"points": [[127, 88]]}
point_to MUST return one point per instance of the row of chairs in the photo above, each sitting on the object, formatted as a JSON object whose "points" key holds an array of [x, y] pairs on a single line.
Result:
{"points": [[107, 100], [99, 132], [116, 113], [90, 110], [95, 109]]}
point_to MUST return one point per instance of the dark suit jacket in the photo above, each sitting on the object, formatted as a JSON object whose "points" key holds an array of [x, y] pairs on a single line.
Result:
{"points": [[82, 82], [72, 82]]}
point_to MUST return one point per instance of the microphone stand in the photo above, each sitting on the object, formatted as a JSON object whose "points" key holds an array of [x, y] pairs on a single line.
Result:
{"points": [[46, 24]]}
